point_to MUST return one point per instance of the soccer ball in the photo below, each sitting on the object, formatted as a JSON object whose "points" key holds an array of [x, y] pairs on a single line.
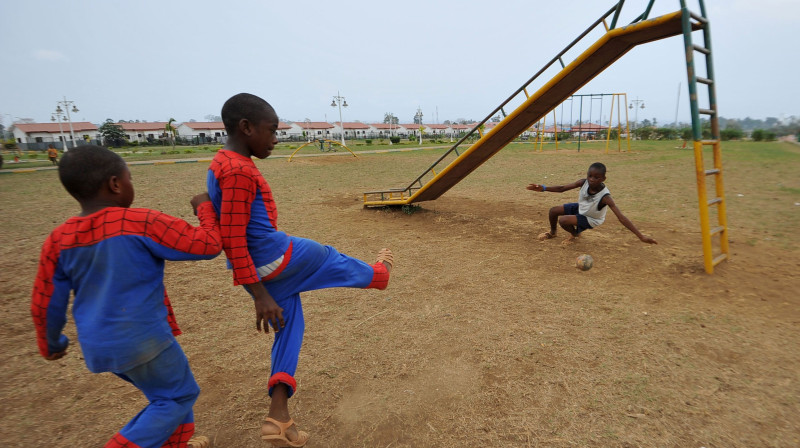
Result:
{"points": [[584, 262]]}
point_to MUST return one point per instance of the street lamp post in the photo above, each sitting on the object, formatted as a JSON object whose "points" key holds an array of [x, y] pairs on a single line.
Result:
{"points": [[340, 101], [391, 122], [419, 116], [639, 104], [57, 116], [69, 118]]}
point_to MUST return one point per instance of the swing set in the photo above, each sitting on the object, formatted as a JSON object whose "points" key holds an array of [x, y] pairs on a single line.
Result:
{"points": [[321, 142], [590, 127]]}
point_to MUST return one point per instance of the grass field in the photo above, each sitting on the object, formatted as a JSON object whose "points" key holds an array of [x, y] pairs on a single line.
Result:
{"points": [[486, 336]]}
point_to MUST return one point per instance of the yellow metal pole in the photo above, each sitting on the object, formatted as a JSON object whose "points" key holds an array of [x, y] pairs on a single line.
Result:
{"points": [[721, 207], [544, 128], [619, 123], [702, 199], [610, 118], [555, 128], [627, 123], [298, 149]]}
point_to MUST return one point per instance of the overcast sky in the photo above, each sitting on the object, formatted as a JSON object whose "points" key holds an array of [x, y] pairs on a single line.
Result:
{"points": [[152, 60]]}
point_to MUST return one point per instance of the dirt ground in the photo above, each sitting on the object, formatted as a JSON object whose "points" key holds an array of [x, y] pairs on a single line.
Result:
{"points": [[486, 336]]}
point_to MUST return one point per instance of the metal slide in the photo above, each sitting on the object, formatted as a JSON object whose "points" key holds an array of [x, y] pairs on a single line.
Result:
{"points": [[458, 162]]}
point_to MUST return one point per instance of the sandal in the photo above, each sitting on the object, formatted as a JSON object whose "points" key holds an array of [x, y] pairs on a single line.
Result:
{"points": [[545, 236], [280, 439], [199, 442], [386, 257]]}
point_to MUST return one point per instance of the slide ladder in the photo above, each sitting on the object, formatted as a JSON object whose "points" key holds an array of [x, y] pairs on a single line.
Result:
{"points": [[458, 162], [721, 229]]}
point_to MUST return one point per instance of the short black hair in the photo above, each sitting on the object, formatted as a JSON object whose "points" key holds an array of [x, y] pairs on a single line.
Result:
{"points": [[245, 105], [84, 169], [599, 167]]}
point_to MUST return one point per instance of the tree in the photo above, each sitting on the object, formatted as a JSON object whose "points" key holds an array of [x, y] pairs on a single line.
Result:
{"points": [[171, 132], [757, 135], [389, 118], [112, 133], [212, 117]]}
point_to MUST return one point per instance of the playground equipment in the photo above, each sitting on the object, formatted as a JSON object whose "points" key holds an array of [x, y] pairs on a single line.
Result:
{"points": [[582, 126], [321, 142], [457, 162]]}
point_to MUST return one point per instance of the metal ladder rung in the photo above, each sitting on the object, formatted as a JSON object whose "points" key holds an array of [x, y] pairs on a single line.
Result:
{"points": [[707, 111], [717, 230], [700, 49], [709, 142], [705, 80], [700, 19], [714, 201], [719, 259], [710, 172]]}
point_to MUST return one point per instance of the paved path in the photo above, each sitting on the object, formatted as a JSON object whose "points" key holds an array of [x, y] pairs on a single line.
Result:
{"points": [[208, 159]]}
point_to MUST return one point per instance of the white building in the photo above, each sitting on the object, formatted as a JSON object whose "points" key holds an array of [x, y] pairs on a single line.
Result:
{"points": [[144, 132], [199, 132], [36, 136]]}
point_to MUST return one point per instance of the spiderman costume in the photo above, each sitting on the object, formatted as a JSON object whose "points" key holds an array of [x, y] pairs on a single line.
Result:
{"points": [[113, 260], [286, 265]]}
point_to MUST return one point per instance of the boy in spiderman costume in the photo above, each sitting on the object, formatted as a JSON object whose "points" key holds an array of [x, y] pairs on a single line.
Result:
{"points": [[271, 265], [112, 257]]}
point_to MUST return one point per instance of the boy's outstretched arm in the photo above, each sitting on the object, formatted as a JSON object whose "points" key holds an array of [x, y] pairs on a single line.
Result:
{"points": [[556, 188], [609, 202]]}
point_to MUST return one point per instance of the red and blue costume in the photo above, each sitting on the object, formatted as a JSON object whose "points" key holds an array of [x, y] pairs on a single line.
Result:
{"points": [[286, 265], [113, 260]]}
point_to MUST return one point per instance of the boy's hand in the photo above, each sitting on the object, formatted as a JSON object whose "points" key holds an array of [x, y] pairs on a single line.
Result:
{"points": [[648, 240], [267, 310], [535, 187], [54, 356], [199, 199], [270, 313]]}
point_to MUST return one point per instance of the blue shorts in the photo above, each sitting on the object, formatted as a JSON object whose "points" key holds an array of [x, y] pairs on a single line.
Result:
{"points": [[572, 209]]}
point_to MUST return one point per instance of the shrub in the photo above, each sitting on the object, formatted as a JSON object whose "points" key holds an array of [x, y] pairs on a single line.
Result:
{"points": [[188, 151], [32, 155], [368, 141], [394, 139], [757, 135]]}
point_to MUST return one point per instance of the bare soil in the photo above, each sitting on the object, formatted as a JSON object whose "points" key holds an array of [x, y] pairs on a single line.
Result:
{"points": [[486, 336]]}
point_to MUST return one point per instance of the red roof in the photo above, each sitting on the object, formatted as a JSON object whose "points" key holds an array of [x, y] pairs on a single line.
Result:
{"points": [[200, 125], [52, 128], [587, 127], [353, 125], [412, 126], [386, 126], [313, 124], [438, 126], [282, 125], [154, 126], [462, 126]]}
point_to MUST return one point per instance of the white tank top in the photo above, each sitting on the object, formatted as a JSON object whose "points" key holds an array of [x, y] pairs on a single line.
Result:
{"points": [[589, 205]]}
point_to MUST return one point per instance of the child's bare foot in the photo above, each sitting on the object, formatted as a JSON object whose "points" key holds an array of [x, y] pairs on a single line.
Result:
{"points": [[546, 236], [199, 442], [283, 434], [569, 240], [386, 257]]}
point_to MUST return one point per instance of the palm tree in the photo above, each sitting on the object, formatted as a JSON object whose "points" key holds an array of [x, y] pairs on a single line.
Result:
{"points": [[171, 132]]}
